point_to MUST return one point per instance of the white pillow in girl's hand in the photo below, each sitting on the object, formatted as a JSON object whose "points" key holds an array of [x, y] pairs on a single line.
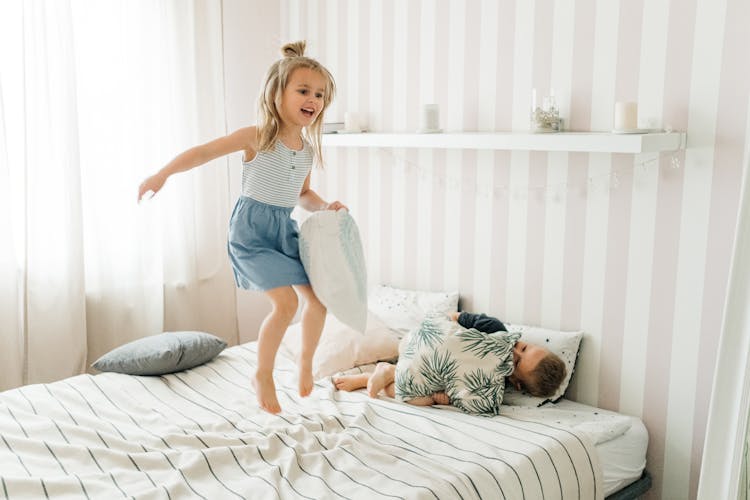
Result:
{"points": [[332, 255]]}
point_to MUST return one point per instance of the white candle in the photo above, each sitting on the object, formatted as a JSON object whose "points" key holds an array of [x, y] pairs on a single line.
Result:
{"points": [[626, 115], [351, 122], [429, 119]]}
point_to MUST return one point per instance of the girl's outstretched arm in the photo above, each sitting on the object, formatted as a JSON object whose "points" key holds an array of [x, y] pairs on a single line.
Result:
{"points": [[243, 139]]}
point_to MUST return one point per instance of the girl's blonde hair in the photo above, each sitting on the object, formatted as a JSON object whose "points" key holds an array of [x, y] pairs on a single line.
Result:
{"points": [[269, 120]]}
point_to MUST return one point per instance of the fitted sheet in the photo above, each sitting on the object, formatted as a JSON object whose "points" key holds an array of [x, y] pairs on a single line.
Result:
{"points": [[623, 457], [200, 434], [620, 440]]}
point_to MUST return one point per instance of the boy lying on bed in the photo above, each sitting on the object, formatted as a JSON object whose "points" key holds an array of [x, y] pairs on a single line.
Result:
{"points": [[463, 363]]}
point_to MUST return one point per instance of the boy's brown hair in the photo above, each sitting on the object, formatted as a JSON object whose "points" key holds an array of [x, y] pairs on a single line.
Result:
{"points": [[546, 377]]}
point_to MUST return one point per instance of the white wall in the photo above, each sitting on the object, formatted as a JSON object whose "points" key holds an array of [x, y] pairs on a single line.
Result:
{"points": [[632, 249], [251, 43]]}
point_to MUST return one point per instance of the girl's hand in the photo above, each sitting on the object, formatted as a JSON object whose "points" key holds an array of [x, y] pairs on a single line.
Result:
{"points": [[153, 184], [336, 205]]}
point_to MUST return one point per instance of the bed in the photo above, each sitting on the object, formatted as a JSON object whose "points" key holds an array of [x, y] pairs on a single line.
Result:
{"points": [[199, 434]]}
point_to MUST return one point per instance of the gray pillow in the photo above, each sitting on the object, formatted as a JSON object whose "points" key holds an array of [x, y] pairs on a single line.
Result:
{"points": [[159, 354]]}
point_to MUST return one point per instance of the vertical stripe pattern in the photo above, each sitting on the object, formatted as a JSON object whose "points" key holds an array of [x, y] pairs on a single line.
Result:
{"points": [[199, 434], [633, 249]]}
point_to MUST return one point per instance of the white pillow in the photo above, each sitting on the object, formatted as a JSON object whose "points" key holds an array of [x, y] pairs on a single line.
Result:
{"points": [[403, 310], [564, 344], [341, 347], [332, 255]]}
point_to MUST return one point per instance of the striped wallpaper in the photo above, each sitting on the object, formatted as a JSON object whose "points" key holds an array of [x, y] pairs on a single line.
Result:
{"points": [[633, 249]]}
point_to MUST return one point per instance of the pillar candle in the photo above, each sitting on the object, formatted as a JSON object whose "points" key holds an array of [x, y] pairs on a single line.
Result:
{"points": [[429, 119], [351, 122], [626, 116]]}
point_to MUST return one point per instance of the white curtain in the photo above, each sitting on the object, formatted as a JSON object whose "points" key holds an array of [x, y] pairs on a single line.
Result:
{"points": [[94, 96]]}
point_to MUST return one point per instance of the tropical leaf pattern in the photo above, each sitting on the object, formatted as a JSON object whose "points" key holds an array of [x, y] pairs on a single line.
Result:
{"points": [[478, 382], [468, 365], [409, 351], [437, 368], [429, 333], [480, 343], [406, 384], [504, 370]]}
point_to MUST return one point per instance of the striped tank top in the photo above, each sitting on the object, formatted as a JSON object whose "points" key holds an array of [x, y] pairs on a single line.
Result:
{"points": [[275, 177]]}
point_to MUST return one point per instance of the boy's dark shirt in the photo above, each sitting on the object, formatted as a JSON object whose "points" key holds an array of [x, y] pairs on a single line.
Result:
{"points": [[481, 322]]}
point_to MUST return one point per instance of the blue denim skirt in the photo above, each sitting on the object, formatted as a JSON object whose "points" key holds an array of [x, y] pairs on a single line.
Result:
{"points": [[263, 246]]}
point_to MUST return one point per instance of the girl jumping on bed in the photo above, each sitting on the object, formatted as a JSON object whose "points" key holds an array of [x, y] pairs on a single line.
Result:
{"points": [[263, 238], [464, 368]]}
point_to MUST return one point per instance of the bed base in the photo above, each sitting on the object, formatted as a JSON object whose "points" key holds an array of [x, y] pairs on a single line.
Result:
{"points": [[633, 490]]}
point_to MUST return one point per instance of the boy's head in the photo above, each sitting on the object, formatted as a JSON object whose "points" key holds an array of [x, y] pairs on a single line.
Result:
{"points": [[536, 369]]}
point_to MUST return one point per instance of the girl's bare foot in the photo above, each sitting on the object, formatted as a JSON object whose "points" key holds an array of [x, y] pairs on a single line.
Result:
{"points": [[305, 379], [265, 392], [351, 382], [380, 378]]}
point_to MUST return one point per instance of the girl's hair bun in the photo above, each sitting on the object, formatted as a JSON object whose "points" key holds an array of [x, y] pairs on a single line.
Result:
{"points": [[294, 49]]}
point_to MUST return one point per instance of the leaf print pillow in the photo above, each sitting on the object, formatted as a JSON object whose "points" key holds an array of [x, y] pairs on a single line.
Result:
{"points": [[468, 365]]}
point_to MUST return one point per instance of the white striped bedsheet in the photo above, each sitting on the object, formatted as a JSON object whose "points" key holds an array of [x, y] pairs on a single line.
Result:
{"points": [[200, 434]]}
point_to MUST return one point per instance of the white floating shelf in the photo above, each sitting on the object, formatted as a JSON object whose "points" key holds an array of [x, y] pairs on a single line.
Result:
{"points": [[591, 142]]}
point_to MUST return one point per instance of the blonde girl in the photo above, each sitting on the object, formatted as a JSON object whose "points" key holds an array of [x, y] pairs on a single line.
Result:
{"points": [[263, 244]]}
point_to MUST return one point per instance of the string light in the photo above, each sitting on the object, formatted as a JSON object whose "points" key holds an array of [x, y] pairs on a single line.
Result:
{"points": [[592, 185]]}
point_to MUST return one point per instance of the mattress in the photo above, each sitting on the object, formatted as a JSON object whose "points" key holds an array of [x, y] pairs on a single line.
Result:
{"points": [[200, 434], [620, 440]]}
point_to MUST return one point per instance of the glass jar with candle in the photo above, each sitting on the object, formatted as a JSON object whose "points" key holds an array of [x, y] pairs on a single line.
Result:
{"points": [[547, 117]]}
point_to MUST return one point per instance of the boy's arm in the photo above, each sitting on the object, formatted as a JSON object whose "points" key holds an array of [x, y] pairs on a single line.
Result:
{"points": [[481, 322], [422, 401]]}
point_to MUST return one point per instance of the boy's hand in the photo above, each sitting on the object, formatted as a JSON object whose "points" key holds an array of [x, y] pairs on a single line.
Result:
{"points": [[441, 398], [454, 316]]}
